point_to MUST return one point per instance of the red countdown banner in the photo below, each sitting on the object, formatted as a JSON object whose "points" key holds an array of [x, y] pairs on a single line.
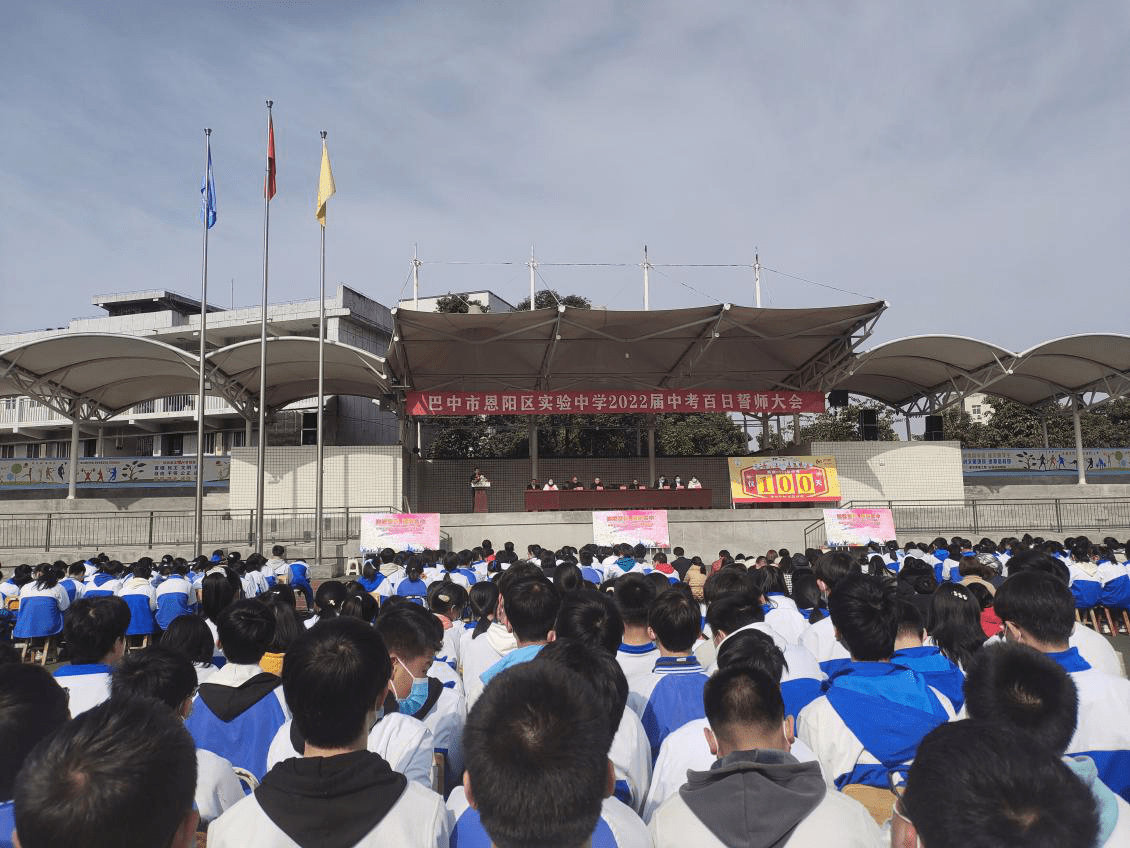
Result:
{"points": [[612, 403]]}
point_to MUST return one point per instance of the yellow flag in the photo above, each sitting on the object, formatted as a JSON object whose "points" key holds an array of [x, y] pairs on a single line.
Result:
{"points": [[326, 187]]}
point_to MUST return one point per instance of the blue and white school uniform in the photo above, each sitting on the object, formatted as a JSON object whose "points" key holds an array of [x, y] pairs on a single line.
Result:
{"points": [[637, 661], [1115, 578], [1086, 584], [785, 619], [102, 585], [445, 720], [685, 750], [74, 587], [249, 710], [141, 598], [452, 643], [939, 670], [41, 611], [617, 827], [673, 697], [802, 678], [870, 721], [174, 599], [1102, 731], [87, 685], [415, 590], [820, 640], [404, 743], [481, 654], [217, 787], [631, 758], [8, 589]]}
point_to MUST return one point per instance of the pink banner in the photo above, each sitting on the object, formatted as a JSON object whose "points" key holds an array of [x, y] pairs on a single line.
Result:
{"points": [[612, 403], [647, 527], [847, 528], [401, 531]]}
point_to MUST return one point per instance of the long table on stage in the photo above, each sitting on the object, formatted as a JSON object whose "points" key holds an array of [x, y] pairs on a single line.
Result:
{"points": [[543, 501]]}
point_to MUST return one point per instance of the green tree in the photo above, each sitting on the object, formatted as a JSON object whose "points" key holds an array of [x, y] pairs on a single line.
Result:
{"points": [[1013, 425], [700, 434], [548, 299], [835, 425], [457, 304]]}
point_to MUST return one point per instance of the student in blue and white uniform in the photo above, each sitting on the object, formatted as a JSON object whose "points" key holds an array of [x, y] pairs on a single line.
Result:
{"points": [[672, 695], [413, 586], [190, 636], [139, 594], [529, 603], [593, 619], [336, 679], [174, 596], [240, 709], [686, 749], [911, 652], [42, 603], [95, 633], [872, 714], [75, 581], [538, 739], [820, 638], [106, 581], [1038, 610], [410, 633], [638, 652]]}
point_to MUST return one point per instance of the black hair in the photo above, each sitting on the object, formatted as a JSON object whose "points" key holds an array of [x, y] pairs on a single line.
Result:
{"points": [[1018, 686], [216, 594], [634, 596], [865, 611], [329, 597], [447, 598], [567, 578], [733, 612], [979, 784], [32, 707], [727, 581], [409, 630], [483, 599], [535, 740], [120, 775], [189, 635], [834, 567], [1039, 603], [531, 607], [954, 622], [676, 620], [910, 621], [287, 625], [754, 649], [246, 630], [600, 668], [741, 695], [592, 618], [333, 675], [91, 626], [48, 576], [158, 672]]}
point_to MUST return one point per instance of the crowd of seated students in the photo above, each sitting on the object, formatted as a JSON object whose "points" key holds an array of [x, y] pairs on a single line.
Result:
{"points": [[935, 695]]}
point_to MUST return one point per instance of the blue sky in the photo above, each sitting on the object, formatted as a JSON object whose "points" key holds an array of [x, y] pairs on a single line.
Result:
{"points": [[968, 162]]}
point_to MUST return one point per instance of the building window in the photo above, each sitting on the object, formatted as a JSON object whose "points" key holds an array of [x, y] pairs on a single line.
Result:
{"points": [[11, 403], [89, 447], [172, 444], [977, 409], [237, 439], [32, 450], [144, 446], [62, 450], [209, 443], [7, 451], [309, 428]]}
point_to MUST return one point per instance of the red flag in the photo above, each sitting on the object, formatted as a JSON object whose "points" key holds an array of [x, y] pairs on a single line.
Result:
{"points": [[269, 187]]}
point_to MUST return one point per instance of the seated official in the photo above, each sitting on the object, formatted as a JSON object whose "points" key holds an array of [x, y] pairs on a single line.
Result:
{"points": [[635, 484], [549, 486], [597, 485], [533, 485], [693, 483], [573, 483]]}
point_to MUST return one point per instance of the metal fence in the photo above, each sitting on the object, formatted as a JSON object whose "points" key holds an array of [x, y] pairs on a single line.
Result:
{"points": [[1108, 516], [157, 529]]}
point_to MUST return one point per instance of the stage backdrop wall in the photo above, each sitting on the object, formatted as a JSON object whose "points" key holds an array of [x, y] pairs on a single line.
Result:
{"points": [[442, 485]]}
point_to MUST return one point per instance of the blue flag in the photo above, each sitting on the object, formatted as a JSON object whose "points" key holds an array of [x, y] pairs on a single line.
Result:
{"points": [[208, 195]]}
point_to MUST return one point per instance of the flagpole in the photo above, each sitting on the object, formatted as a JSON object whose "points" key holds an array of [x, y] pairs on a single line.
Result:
{"points": [[198, 535], [321, 384], [261, 459]]}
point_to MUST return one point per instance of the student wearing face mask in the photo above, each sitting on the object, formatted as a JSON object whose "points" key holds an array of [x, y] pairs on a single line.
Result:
{"points": [[412, 635]]}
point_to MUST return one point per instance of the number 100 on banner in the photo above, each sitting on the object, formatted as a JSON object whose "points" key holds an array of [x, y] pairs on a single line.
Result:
{"points": [[783, 479]]}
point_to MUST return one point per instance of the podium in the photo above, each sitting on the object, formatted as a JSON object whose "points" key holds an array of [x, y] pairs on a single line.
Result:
{"points": [[479, 497]]}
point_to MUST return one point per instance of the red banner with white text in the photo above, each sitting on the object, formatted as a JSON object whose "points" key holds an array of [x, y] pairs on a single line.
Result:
{"points": [[612, 402]]}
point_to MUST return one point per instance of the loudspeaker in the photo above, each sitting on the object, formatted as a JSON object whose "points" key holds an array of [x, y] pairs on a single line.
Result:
{"points": [[838, 398], [933, 429], [869, 425]]}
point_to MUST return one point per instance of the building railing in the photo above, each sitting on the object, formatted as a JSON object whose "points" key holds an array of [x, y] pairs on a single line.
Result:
{"points": [[94, 532], [994, 517], [22, 412]]}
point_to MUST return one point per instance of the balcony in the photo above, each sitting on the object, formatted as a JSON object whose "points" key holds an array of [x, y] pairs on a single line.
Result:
{"points": [[18, 413]]}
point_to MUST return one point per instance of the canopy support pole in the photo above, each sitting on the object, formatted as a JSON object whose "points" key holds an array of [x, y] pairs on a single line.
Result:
{"points": [[72, 482], [533, 450], [652, 476], [1078, 440]]}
